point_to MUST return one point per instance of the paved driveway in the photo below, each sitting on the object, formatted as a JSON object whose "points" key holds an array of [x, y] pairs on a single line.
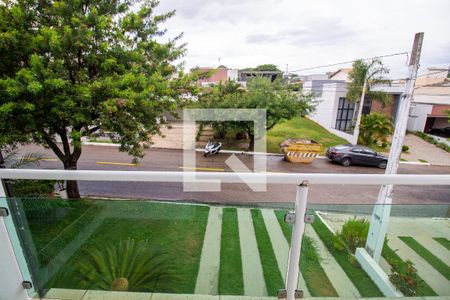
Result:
{"points": [[172, 137], [422, 150]]}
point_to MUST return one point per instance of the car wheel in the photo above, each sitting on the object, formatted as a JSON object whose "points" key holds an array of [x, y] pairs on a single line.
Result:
{"points": [[346, 162], [383, 164]]}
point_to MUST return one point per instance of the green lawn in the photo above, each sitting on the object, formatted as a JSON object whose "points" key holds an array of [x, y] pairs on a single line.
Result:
{"points": [[272, 275], [443, 241], [230, 276], [397, 264], [316, 279], [52, 229], [177, 230], [302, 128], [357, 275], [436, 262]]}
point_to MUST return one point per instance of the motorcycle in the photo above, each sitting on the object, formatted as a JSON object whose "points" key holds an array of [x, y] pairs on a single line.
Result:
{"points": [[212, 148]]}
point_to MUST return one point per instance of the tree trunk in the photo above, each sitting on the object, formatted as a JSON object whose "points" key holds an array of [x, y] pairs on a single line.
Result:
{"points": [[71, 185], [251, 145], [2, 160]]}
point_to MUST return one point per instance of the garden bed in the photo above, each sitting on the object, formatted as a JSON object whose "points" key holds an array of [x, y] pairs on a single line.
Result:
{"points": [[365, 285]]}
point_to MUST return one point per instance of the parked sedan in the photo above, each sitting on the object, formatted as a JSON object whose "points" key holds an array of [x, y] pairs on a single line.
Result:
{"points": [[348, 155]]}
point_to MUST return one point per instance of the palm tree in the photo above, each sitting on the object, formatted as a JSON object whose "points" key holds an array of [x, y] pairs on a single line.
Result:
{"points": [[375, 128], [10, 158], [128, 266], [363, 77]]}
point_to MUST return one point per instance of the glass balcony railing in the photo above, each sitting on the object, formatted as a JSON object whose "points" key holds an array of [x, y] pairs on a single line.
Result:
{"points": [[90, 247]]}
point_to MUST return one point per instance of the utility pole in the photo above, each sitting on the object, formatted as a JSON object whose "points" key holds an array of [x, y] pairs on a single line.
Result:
{"points": [[382, 210], [359, 114]]}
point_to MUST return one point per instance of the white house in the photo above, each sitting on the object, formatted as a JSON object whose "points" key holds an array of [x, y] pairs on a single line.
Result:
{"points": [[334, 112], [428, 110]]}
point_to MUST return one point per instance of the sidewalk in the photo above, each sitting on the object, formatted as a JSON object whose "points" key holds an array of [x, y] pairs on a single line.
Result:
{"points": [[422, 150]]}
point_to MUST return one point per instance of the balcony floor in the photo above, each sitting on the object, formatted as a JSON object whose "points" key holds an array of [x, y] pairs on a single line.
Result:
{"points": [[68, 294]]}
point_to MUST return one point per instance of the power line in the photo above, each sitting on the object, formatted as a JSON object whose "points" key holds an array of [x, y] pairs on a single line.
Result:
{"points": [[347, 62]]}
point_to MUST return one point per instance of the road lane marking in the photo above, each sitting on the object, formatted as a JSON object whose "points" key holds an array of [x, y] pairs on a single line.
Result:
{"points": [[203, 169], [116, 163], [44, 158]]}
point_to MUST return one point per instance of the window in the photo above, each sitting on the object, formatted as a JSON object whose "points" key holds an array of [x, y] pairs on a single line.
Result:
{"points": [[369, 152], [344, 114], [357, 150]]}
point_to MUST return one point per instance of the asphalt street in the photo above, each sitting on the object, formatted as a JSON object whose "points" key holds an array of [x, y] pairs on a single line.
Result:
{"points": [[109, 158]]}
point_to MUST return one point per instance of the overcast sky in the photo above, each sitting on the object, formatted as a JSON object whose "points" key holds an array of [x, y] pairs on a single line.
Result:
{"points": [[246, 33]]}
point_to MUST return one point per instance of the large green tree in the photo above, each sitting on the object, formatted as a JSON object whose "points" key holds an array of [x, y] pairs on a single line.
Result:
{"points": [[267, 67], [280, 102], [71, 67]]}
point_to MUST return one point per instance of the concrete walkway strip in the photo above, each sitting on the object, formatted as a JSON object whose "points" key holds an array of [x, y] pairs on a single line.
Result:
{"points": [[208, 273], [340, 281], [435, 248], [432, 277], [254, 284], [280, 246]]}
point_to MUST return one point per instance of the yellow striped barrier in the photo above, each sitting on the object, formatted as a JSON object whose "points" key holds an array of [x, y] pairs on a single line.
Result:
{"points": [[300, 151]]}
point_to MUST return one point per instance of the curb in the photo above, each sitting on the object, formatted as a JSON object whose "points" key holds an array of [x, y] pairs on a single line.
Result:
{"points": [[101, 144], [243, 152], [417, 163], [254, 153]]}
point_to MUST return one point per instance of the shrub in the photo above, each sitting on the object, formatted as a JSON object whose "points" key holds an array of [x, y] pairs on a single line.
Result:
{"points": [[131, 265], [352, 235], [374, 128], [404, 277], [405, 148]]}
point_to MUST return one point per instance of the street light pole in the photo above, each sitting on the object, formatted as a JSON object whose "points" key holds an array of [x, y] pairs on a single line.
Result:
{"points": [[382, 211]]}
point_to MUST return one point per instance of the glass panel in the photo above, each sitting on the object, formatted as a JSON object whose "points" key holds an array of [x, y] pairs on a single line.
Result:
{"points": [[415, 254], [147, 246], [152, 246]]}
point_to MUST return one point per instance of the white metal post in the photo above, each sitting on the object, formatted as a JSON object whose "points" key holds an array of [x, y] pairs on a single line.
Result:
{"points": [[381, 213], [296, 240]]}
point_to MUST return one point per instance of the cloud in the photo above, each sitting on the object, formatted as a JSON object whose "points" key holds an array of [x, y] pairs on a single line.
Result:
{"points": [[439, 57], [250, 32], [200, 9], [310, 36]]}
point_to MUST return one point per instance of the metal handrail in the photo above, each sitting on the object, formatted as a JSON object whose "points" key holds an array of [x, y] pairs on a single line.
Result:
{"points": [[230, 177], [227, 177]]}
